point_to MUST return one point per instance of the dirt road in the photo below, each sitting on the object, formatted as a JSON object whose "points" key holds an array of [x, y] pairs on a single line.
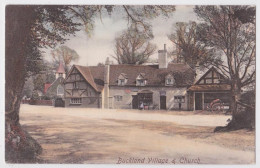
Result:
{"points": [[77, 135]]}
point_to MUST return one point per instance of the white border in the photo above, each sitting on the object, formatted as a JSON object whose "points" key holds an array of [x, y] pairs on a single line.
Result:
{"points": [[119, 2]]}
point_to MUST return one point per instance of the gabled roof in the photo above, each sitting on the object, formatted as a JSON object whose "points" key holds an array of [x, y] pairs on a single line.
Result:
{"points": [[212, 86], [46, 87], [212, 69], [141, 76], [169, 75], [52, 90], [60, 69], [94, 75], [122, 76]]}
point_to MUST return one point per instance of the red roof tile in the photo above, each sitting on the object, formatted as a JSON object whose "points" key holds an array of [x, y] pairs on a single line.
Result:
{"points": [[60, 69], [46, 87]]}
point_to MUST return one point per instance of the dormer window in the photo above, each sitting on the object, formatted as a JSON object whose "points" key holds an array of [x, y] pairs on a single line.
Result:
{"points": [[140, 80], [169, 80], [121, 82], [122, 79]]}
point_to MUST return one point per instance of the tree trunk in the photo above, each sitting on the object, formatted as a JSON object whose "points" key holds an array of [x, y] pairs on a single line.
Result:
{"points": [[241, 117], [19, 145], [235, 96]]}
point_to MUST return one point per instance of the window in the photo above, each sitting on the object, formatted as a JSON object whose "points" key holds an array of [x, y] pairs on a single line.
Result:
{"points": [[122, 79], [75, 101], [121, 82], [75, 86], [60, 74], [179, 99], [169, 80], [60, 90], [140, 82], [145, 98], [216, 81], [118, 98], [208, 81]]}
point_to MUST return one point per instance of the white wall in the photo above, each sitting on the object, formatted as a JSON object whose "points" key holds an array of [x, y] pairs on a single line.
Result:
{"points": [[127, 93]]}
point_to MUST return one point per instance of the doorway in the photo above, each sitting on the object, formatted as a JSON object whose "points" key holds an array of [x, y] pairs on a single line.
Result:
{"points": [[198, 101], [163, 102], [135, 102]]}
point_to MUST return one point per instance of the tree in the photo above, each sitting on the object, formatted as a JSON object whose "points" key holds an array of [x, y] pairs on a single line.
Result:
{"points": [[31, 27], [65, 55], [39, 82], [100, 64], [231, 30], [189, 48], [133, 47]]}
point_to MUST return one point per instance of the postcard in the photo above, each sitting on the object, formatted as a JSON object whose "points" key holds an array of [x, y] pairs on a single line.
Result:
{"points": [[139, 84]]}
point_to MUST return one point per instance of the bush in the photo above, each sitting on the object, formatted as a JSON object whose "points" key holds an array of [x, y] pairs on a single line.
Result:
{"points": [[35, 95], [248, 98]]}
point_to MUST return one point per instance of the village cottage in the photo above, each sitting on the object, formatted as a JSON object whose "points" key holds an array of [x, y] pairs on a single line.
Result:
{"points": [[162, 86]]}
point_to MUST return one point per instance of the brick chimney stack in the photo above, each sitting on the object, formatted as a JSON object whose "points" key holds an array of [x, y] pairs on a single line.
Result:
{"points": [[162, 58]]}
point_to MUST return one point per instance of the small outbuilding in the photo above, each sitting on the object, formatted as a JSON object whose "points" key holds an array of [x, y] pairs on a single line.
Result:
{"points": [[211, 86]]}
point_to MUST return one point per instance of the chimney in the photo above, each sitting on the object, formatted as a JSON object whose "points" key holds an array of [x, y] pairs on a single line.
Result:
{"points": [[162, 58], [106, 84]]}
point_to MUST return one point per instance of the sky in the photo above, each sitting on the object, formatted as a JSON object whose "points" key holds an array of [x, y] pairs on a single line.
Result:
{"points": [[95, 49]]}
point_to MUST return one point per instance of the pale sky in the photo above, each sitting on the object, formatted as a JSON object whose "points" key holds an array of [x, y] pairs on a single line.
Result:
{"points": [[97, 48]]}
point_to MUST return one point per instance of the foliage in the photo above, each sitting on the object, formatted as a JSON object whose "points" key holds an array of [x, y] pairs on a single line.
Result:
{"points": [[133, 47], [65, 55], [100, 64], [28, 87], [20, 147], [226, 30], [50, 78], [39, 82], [248, 98], [32, 27], [35, 95], [189, 48]]}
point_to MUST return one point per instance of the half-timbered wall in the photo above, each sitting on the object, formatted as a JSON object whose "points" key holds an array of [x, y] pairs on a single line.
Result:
{"points": [[211, 77], [79, 93]]}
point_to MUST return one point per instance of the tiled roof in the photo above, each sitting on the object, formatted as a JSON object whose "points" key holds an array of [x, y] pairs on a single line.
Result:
{"points": [[60, 68], [183, 74], [94, 76], [46, 87]]}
